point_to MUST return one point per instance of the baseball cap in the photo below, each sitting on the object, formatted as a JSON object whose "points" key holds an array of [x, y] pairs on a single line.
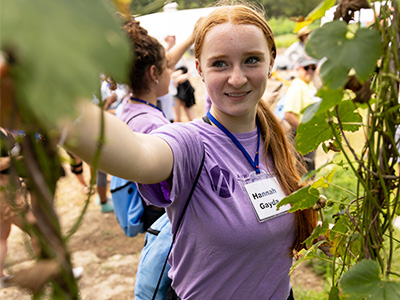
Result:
{"points": [[306, 61]]}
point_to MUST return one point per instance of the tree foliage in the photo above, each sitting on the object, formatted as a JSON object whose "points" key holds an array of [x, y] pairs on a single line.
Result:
{"points": [[283, 8], [360, 73]]}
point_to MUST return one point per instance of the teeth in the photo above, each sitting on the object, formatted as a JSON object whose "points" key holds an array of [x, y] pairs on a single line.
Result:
{"points": [[237, 95]]}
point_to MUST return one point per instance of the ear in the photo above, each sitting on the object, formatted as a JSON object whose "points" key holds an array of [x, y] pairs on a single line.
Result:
{"points": [[198, 68], [152, 73], [271, 67]]}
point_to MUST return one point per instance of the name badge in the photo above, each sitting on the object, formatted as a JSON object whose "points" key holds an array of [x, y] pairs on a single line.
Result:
{"points": [[264, 195]]}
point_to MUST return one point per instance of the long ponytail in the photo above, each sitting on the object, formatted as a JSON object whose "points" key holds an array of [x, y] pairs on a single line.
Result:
{"points": [[286, 168]]}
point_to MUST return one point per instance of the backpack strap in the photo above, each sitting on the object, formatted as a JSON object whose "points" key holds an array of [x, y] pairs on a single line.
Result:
{"points": [[180, 222]]}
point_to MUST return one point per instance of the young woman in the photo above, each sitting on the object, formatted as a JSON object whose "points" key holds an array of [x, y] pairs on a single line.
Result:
{"points": [[232, 244], [150, 79]]}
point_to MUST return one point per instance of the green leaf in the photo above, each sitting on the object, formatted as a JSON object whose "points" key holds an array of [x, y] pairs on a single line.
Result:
{"points": [[61, 49], [320, 10], [316, 130], [344, 52], [152, 7], [330, 98], [315, 14], [318, 231], [306, 254], [341, 226], [323, 181], [350, 118], [301, 199], [334, 293], [363, 281], [311, 134]]}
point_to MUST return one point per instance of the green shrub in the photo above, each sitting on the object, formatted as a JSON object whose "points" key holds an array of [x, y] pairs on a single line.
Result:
{"points": [[284, 41], [281, 25]]}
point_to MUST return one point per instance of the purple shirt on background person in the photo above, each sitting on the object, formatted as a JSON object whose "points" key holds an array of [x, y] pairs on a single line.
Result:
{"points": [[141, 117], [221, 251]]}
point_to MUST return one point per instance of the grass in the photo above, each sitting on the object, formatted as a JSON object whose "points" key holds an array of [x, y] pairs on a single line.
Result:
{"points": [[285, 40], [303, 294]]}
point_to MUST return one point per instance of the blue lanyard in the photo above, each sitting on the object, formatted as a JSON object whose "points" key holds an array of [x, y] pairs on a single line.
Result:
{"points": [[255, 162], [147, 103]]}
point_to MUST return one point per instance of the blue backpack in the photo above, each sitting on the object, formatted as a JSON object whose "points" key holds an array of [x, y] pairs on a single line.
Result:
{"points": [[154, 254], [128, 206]]}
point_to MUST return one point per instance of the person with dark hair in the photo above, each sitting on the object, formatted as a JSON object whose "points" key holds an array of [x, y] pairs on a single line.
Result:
{"points": [[233, 242], [150, 78]]}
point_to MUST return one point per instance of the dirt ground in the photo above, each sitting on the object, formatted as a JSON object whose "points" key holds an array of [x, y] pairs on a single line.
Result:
{"points": [[108, 257]]}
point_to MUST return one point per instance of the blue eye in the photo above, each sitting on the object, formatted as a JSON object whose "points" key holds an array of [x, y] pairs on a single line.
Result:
{"points": [[252, 60], [219, 64]]}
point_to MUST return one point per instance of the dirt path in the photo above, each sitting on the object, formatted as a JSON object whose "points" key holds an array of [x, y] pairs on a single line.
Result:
{"points": [[108, 257]]}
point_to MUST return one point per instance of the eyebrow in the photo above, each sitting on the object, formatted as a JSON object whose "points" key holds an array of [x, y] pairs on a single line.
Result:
{"points": [[251, 53]]}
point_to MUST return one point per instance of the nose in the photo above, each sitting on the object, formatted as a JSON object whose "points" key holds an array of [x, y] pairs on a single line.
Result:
{"points": [[237, 77]]}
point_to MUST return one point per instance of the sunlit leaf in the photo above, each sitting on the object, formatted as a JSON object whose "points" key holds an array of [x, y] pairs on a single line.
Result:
{"points": [[311, 134], [61, 48], [363, 281], [315, 14], [301, 199], [343, 52], [306, 254]]}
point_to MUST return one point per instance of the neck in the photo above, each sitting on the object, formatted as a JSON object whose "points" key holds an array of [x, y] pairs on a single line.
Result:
{"points": [[235, 124], [148, 97]]}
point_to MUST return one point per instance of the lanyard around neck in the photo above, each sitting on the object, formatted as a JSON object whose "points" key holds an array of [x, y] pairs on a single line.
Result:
{"points": [[255, 162], [147, 103]]}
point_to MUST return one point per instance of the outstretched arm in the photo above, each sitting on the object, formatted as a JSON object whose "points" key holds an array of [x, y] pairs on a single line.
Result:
{"points": [[137, 157]]}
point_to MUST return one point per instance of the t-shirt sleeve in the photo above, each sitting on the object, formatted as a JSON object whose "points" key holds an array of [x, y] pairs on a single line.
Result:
{"points": [[293, 100], [187, 148]]}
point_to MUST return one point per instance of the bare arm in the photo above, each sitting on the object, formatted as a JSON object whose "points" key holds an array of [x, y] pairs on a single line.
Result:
{"points": [[292, 119], [176, 52], [137, 157]]}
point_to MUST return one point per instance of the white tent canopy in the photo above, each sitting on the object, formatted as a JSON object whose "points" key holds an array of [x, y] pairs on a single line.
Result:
{"points": [[173, 22]]}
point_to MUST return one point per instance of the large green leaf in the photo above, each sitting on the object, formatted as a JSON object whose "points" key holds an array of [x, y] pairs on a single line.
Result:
{"points": [[303, 198], [349, 117], [316, 130], [311, 134], [344, 52], [61, 48], [363, 281]]}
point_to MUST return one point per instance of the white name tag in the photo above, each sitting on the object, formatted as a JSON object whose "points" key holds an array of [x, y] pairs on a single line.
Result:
{"points": [[265, 195]]}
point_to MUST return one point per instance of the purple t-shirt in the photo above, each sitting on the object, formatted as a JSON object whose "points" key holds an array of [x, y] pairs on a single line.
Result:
{"points": [[141, 117], [221, 251]]}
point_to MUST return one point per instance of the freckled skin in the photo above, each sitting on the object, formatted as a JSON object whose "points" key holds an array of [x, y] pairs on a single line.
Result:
{"points": [[234, 63]]}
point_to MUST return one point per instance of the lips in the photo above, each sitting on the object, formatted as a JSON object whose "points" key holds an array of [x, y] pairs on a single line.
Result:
{"points": [[237, 95]]}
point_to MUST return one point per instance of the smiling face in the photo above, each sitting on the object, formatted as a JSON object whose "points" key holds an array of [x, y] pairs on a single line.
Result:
{"points": [[234, 63]]}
